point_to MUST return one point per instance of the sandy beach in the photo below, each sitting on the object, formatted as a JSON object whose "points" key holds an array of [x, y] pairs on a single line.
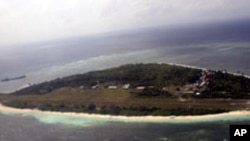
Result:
{"points": [[205, 69], [125, 118]]}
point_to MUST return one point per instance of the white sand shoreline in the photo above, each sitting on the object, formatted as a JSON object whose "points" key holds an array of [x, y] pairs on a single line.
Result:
{"points": [[126, 118], [205, 69]]}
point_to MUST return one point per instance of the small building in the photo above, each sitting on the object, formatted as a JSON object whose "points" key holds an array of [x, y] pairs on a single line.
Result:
{"points": [[140, 87], [197, 93], [164, 89], [126, 86], [202, 83], [112, 87], [95, 86]]}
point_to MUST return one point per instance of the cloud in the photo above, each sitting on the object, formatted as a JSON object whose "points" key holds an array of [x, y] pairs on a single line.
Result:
{"points": [[34, 20]]}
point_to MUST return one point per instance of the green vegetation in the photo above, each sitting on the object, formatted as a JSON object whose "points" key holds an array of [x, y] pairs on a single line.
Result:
{"points": [[224, 85], [155, 89], [152, 92], [157, 75]]}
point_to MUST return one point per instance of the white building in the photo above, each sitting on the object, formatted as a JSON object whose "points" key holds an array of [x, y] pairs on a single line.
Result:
{"points": [[126, 86], [112, 87], [140, 87]]}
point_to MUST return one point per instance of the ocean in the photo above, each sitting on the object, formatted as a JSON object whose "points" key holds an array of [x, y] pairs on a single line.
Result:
{"points": [[44, 62]]}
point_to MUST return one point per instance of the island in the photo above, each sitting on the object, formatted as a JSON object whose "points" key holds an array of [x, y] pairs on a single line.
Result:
{"points": [[154, 89]]}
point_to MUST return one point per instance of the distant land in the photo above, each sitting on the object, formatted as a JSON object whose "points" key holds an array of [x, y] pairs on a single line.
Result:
{"points": [[139, 89]]}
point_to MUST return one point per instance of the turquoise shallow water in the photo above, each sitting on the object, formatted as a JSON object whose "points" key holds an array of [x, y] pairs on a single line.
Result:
{"points": [[41, 127], [77, 128], [84, 121]]}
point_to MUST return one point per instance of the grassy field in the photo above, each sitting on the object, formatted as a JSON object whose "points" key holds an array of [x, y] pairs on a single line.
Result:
{"points": [[94, 101]]}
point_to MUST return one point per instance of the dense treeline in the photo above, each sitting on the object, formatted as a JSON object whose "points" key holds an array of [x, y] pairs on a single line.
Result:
{"points": [[151, 92], [158, 75], [118, 110]]}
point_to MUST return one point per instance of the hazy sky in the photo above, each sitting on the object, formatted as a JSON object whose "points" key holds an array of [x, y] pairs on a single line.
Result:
{"points": [[23, 21]]}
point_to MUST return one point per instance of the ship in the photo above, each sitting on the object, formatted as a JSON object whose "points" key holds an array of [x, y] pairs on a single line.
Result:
{"points": [[13, 78]]}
